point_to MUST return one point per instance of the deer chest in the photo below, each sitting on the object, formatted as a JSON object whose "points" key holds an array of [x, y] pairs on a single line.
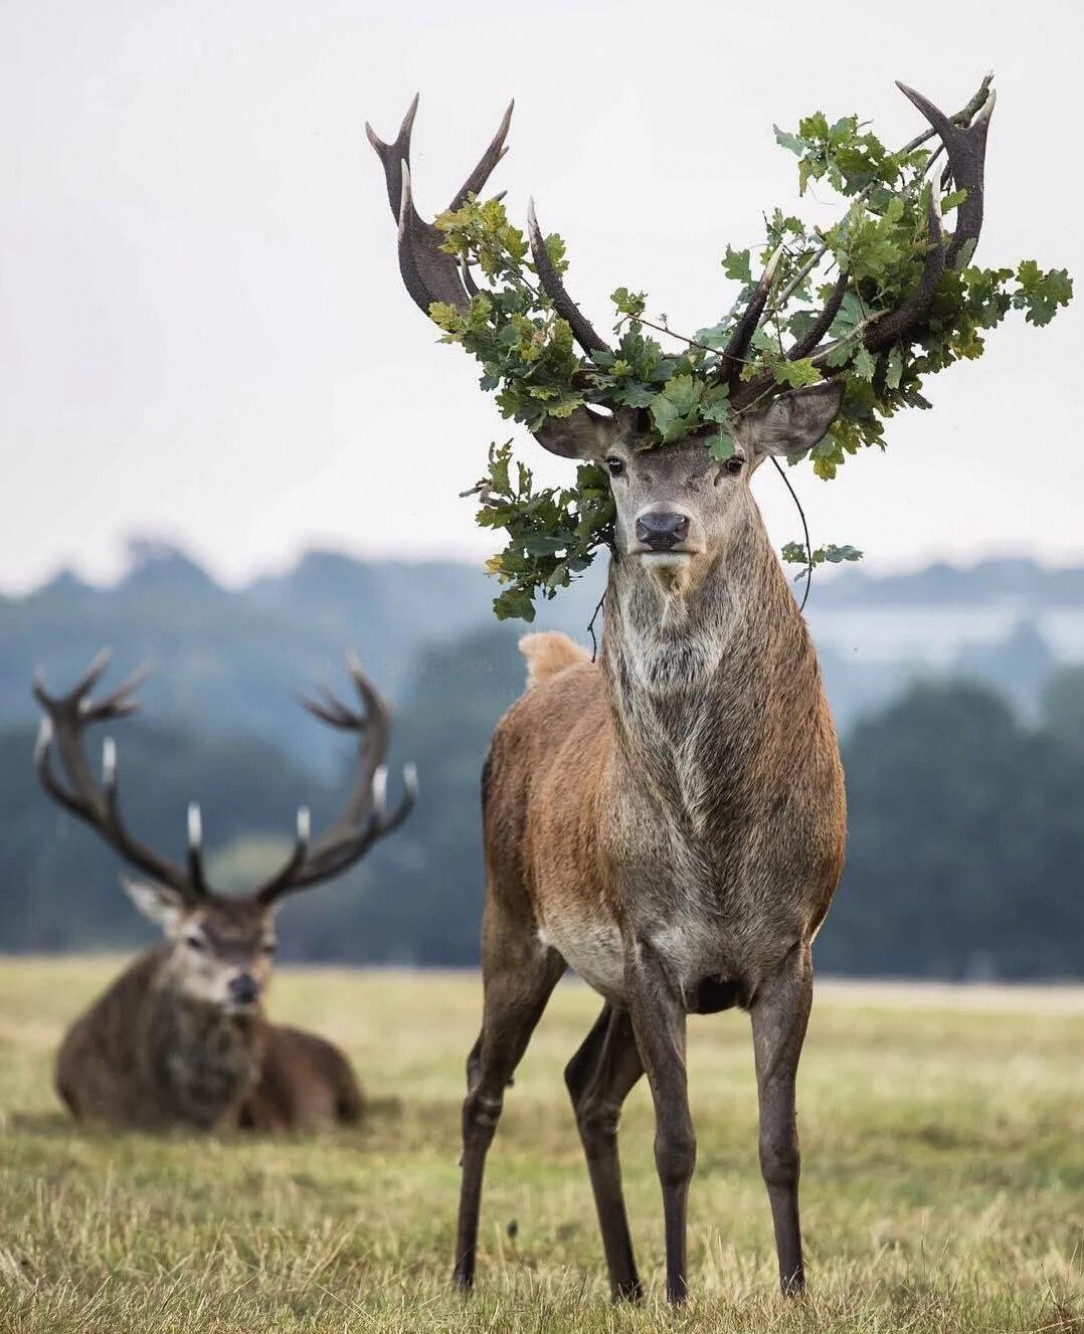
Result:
{"points": [[203, 1064]]}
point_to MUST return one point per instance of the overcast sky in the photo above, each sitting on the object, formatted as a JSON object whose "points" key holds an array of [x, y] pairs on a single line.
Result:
{"points": [[202, 329]]}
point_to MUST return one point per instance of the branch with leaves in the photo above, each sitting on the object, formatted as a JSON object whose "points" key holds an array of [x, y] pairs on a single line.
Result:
{"points": [[881, 299]]}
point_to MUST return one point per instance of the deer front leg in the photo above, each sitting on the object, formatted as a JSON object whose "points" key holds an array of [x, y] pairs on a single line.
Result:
{"points": [[658, 1021], [780, 1014]]}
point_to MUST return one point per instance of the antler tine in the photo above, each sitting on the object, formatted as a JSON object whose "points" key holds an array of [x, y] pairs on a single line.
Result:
{"points": [[83, 686], [965, 147], [582, 329], [377, 718], [406, 801], [824, 321], [394, 154], [963, 138], [120, 704], [330, 710], [364, 819], [732, 357], [91, 676], [195, 849], [429, 273], [893, 325], [284, 879], [468, 278], [337, 858], [43, 764], [97, 804], [475, 182]]}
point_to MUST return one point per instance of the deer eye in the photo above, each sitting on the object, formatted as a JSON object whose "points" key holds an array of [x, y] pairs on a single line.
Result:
{"points": [[194, 942], [734, 464], [615, 465], [269, 947]]}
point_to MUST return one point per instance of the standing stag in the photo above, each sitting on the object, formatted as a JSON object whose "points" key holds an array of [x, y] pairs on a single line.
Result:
{"points": [[181, 1037], [670, 822]]}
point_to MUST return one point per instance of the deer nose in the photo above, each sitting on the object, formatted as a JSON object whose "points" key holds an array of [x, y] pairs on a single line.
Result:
{"points": [[661, 530], [244, 989]]}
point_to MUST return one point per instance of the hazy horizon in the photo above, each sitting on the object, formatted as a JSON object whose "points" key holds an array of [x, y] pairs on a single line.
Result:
{"points": [[203, 333], [137, 548]]}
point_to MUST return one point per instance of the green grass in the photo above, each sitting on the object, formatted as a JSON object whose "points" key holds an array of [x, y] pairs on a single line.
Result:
{"points": [[943, 1182]]}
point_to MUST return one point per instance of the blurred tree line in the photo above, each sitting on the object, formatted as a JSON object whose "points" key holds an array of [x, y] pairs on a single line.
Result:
{"points": [[966, 854]]}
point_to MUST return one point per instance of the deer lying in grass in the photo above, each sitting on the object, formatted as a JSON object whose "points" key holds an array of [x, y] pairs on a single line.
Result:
{"points": [[181, 1037], [671, 821]]}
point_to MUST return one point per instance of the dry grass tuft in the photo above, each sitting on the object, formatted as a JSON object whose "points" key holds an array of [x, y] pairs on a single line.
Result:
{"points": [[943, 1191]]}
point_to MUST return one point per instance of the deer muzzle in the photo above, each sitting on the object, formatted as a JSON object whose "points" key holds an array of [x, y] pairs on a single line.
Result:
{"points": [[660, 531]]}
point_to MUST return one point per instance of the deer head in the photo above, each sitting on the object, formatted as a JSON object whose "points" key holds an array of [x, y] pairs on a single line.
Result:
{"points": [[222, 946], [675, 504]]}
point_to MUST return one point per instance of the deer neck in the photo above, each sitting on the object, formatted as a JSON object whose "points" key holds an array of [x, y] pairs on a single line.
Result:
{"points": [[204, 1060], [706, 680]]}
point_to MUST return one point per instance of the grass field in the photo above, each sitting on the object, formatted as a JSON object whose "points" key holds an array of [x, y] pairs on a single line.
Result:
{"points": [[943, 1182]]}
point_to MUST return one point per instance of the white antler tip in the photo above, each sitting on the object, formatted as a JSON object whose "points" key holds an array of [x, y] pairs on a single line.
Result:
{"points": [[44, 739], [410, 778], [936, 196], [109, 761], [195, 825], [404, 196], [772, 265], [304, 824], [380, 789]]}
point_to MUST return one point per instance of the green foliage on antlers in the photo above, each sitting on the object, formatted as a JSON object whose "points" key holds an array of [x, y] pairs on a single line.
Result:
{"points": [[880, 243]]}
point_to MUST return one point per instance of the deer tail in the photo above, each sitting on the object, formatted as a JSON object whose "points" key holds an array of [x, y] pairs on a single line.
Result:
{"points": [[548, 653]]}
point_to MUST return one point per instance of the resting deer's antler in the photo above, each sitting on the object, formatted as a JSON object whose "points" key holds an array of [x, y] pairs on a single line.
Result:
{"points": [[430, 274], [364, 820], [97, 803]]}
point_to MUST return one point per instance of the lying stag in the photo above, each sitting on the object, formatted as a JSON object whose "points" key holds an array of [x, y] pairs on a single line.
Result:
{"points": [[671, 822], [181, 1038]]}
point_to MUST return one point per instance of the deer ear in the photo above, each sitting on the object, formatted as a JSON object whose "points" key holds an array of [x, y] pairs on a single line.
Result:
{"points": [[582, 435], [791, 423], [158, 903]]}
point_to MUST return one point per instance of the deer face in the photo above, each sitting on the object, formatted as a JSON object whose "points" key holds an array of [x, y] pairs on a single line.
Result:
{"points": [[676, 505], [222, 948]]}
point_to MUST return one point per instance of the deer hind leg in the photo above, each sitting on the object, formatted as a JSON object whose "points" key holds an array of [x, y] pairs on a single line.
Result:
{"points": [[657, 1012], [780, 1013], [600, 1077], [517, 987]]}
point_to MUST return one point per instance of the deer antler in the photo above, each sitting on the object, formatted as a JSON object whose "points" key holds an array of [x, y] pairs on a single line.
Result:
{"points": [[97, 804], [965, 148], [365, 818], [431, 274], [582, 330], [363, 821]]}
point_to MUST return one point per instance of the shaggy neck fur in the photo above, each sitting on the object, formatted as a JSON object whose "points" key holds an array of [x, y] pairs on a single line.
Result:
{"points": [[713, 682], [204, 1060]]}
